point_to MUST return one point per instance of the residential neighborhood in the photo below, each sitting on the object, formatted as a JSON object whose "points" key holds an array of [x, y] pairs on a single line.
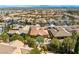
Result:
{"points": [[39, 30]]}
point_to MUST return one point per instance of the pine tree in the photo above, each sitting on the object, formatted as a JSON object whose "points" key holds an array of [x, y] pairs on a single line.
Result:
{"points": [[76, 50], [68, 45], [55, 44]]}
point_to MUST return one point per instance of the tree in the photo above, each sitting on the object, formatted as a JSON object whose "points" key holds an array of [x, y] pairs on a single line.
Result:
{"points": [[26, 37], [68, 45], [31, 42], [28, 40], [74, 35], [76, 50], [17, 37], [4, 37], [35, 51], [40, 39], [1, 20], [55, 44], [44, 48], [72, 20], [7, 28]]}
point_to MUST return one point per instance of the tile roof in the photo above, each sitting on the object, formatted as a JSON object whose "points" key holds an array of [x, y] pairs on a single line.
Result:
{"points": [[17, 44], [19, 30], [6, 49], [14, 47], [26, 49], [38, 31], [60, 32]]}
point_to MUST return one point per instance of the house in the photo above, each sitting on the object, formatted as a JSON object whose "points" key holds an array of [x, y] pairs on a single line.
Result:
{"points": [[18, 44], [26, 49], [52, 21], [1, 27], [73, 28], [20, 47], [47, 41], [6, 48], [59, 32], [20, 30], [36, 31], [14, 47], [6, 19]]}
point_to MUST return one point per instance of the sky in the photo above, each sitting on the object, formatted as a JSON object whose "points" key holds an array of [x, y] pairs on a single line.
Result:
{"points": [[39, 2], [40, 6]]}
